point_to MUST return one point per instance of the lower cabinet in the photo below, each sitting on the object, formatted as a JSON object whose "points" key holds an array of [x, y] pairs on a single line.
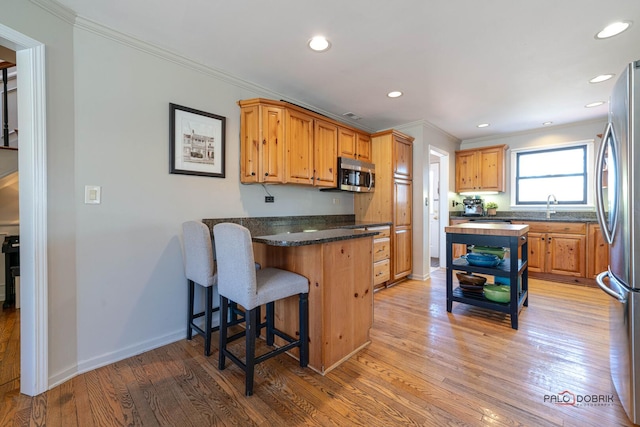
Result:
{"points": [[458, 249], [597, 251], [557, 248], [381, 256]]}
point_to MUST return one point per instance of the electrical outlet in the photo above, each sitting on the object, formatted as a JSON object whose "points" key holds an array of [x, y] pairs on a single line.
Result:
{"points": [[269, 199]]}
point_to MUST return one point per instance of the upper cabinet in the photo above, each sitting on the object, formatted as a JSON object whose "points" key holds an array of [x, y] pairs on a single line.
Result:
{"points": [[481, 169], [262, 140], [283, 143], [354, 145]]}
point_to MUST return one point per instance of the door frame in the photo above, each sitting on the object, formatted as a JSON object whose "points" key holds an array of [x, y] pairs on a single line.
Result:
{"points": [[444, 199], [32, 166]]}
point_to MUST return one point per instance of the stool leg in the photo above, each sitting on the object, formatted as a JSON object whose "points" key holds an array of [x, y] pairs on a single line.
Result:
{"points": [[208, 319], [270, 323], [304, 329], [190, 311], [258, 318], [222, 348], [250, 354]]}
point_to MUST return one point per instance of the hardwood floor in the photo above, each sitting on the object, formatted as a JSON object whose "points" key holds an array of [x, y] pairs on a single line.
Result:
{"points": [[424, 367]]}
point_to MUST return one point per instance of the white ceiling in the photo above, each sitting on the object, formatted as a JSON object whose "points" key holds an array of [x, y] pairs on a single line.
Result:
{"points": [[511, 63]]}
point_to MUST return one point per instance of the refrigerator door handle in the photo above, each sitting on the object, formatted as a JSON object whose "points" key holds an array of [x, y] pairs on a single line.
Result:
{"points": [[606, 232], [600, 280]]}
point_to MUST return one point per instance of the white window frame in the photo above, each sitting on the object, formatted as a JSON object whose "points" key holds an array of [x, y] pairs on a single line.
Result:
{"points": [[589, 143]]}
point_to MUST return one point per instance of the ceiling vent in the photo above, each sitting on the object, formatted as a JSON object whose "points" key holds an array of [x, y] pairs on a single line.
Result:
{"points": [[351, 116]]}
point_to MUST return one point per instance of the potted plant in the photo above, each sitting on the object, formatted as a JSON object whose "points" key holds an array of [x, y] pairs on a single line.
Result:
{"points": [[491, 208]]}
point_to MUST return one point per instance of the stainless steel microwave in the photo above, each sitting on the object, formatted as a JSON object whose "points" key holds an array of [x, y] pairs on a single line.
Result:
{"points": [[355, 175]]}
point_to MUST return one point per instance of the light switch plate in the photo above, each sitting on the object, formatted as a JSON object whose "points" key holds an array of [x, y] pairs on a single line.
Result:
{"points": [[92, 194]]}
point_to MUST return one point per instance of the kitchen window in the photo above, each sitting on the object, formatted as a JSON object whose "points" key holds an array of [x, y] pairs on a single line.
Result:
{"points": [[563, 171]]}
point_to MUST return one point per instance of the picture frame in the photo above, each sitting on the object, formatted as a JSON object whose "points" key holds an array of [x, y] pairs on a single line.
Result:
{"points": [[196, 142]]}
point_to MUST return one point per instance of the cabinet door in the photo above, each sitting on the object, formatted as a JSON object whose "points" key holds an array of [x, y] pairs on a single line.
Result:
{"points": [[466, 171], [272, 155], [325, 158], [597, 252], [402, 158], [491, 169], [363, 147], [566, 254], [537, 251], [249, 144], [347, 143], [402, 252], [299, 147], [402, 199]]}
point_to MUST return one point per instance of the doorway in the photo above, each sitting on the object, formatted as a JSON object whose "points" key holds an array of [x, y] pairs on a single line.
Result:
{"points": [[32, 163], [438, 205]]}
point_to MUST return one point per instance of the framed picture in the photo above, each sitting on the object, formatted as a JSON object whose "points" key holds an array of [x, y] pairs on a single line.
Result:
{"points": [[196, 142]]}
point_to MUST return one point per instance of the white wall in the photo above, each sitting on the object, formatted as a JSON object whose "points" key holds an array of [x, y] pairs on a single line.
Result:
{"points": [[426, 137], [581, 131], [130, 282]]}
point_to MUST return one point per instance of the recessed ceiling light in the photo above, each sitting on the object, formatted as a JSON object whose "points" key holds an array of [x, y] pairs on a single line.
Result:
{"points": [[319, 44], [613, 29], [394, 94], [483, 125], [547, 123], [601, 78], [594, 104]]}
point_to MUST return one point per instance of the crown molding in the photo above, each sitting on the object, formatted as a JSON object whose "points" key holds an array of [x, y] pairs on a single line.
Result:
{"points": [[171, 56], [57, 9]]}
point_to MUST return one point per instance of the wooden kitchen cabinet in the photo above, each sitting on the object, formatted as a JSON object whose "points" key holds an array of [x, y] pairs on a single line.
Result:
{"points": [[392, 153], [481, 169], [311, 150], [325, 154], [597, 251], [381, 255], [557, 248], [299, 131], [262, 144], [286, 144], [354, 145]]}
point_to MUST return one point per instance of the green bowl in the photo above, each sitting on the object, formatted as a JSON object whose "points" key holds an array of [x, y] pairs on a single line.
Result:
{"points": [[497, 293], [490, 250]]}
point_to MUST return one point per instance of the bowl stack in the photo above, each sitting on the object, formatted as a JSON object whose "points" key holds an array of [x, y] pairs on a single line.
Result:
{"points": [[470, 282]]}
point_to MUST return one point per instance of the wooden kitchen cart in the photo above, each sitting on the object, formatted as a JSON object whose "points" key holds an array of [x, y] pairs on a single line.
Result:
{"points": [[512, 236]]}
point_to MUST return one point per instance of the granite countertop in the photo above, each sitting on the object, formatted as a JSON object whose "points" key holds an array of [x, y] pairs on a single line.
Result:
{"points": [[507, 216], [313, 237], [302, 230]]}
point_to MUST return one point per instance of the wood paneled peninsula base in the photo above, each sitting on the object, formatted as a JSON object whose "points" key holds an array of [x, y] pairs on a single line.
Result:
{"points": [[339, 266], [514, 237]]}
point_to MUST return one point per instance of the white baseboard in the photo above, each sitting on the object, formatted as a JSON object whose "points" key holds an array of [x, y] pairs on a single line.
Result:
{"points": [[422, 277], [116, 356]]}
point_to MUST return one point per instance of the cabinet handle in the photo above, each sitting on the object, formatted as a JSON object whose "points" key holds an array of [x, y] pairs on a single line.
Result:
{"points": [[264, 141], [266, 174], [253, 174]]}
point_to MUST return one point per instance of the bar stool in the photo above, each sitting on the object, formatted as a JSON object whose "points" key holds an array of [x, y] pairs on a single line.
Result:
{"points": [[240, 283], [200, 268]]}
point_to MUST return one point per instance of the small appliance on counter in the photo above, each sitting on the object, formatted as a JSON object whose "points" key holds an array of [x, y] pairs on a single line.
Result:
{"points": [[473, 207]]}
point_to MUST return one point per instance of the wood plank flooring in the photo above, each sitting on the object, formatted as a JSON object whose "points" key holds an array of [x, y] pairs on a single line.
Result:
{"points": [[424, 367]]}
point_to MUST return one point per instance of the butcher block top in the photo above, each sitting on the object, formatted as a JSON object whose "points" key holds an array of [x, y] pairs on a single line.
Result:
{"points": [[492, 229]]}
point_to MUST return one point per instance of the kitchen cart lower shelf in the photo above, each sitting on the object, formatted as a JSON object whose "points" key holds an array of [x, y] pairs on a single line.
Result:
{"points": [[512, 236]]}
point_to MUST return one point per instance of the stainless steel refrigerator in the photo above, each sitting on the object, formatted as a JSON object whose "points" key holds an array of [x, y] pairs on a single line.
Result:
{"points": [[618, 208]]}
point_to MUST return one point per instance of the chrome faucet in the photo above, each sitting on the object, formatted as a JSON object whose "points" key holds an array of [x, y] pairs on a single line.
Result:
{"points": [[555, 202]]}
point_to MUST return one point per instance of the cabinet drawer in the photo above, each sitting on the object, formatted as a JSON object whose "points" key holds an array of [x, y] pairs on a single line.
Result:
{"points": [[381, 249], [381, 272], [555, 227], [384, 232]]}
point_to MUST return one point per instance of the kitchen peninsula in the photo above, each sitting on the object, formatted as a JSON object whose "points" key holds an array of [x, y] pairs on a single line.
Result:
{"points": [[337, 258]]}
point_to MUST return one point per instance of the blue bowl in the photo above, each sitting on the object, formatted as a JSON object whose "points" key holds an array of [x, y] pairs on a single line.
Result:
{"points": [[482, 260]]}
